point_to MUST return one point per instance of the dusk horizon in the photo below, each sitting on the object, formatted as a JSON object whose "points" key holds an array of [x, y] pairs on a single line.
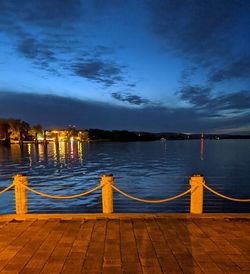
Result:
{"points": [[153, 66]]}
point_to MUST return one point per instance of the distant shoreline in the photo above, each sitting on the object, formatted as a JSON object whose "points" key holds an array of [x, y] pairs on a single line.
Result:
{"points": [[123, 141], [99, 135]]}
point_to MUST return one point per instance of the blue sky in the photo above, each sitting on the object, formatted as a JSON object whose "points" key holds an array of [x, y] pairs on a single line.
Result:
{"points": [[159, 65]]}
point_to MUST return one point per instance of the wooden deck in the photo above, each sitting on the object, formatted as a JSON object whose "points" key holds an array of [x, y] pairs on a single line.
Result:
{"points": [[125, 243]]}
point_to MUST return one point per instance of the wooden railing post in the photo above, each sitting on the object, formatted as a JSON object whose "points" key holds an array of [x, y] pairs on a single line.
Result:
{"points": [[196, 201], [21, 194], [107, 193]]}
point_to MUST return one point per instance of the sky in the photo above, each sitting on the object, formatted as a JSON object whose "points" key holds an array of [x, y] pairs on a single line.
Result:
{"points": [[158, 66]]}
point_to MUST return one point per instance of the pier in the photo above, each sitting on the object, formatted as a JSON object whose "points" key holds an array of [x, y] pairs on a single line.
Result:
{"points": [[109, 242], [125, 243]]}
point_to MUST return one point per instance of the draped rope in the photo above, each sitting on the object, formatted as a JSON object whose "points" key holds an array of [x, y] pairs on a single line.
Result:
{"points": [[224, 196], [151, 201], [62, 197], [6, 189]]}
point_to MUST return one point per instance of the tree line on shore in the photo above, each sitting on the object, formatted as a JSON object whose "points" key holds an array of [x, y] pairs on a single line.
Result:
{"points": [[19, 130], [16, 129]]}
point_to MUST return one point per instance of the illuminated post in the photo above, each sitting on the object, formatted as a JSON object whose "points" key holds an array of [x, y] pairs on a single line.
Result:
{"points": [[196, 202], [21, 194], [44, 138], [21, 139], [56, 138], [36, 140], [107, 193]]}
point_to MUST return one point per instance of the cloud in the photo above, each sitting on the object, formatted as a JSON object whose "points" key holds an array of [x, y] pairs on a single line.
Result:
{"points": [[210, 35], [131, 85], [203, 99], [237, 69], [195, 95], [56, 111], [105, 72], [45, 13], [199, 28], [59, 37], [130, 98], [39, 30], [233, 101], [32, 49], [212, 40]]}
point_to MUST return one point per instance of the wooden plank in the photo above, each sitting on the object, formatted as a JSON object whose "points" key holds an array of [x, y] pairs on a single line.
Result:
{"points": [[129, 254], [125, 245], [57, 258], [22, 250], [13, 238], [112, 250], [41, 255], [147, 255], [164, 254], [216, 246], [76, 256], [94, 257], [179, 239], [11, 231]]}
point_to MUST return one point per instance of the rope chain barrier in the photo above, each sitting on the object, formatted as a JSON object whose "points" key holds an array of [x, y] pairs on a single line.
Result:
{"points": [[125, 194], [224, 196], [151, 201], [62, 197], [6, 189]]}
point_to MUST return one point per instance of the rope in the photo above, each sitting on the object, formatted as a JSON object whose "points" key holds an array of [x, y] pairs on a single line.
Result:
{"points": [[151, 201], [62, 197], [225, 197], [6, 189]]}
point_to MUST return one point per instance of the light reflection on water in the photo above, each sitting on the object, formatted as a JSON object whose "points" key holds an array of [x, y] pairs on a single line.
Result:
{"points": [[150, 170]]}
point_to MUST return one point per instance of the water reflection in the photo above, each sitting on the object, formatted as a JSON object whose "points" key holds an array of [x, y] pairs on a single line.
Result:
{"points": [[56, 152], [150, 170], [202, 147], [15, 153], [29, 154], [80, 152]]}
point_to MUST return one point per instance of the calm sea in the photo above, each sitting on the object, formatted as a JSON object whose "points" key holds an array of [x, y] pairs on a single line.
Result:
{"points": [[149, 170]]}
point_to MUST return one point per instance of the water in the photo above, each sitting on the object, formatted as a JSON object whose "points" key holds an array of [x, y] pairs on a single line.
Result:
{"points": [[149, 170]]}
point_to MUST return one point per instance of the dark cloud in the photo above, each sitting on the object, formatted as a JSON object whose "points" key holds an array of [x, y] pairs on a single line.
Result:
{"points": [[31, 48], [131, 85], [199, 28], [39, 30], [237, 69], [130, 98], [28, 48], [53, 35], [105, 72], [187, 74], [55, 111], [45, 13], [238, 101], [195, 95], [203, 99], [212, 35]]}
